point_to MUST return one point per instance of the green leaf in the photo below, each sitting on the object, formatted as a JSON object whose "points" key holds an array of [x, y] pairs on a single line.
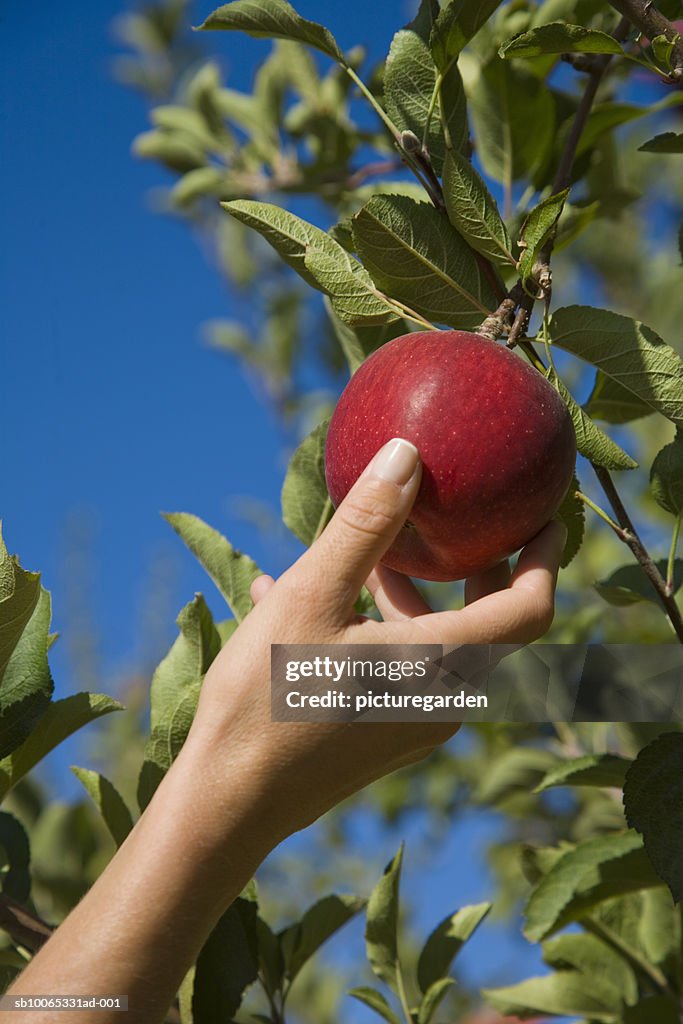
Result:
{"points": [[612, 403], [537, 229], [653, 802], [185, 997], [227, 965], [558, 37], [572, 512], [376, 1001], [351, 289], [589, 770], [414, 255], [271, 961], [591, 441], [108, 801], [381, 931], [458, 22], [62, 718], [662, 49], [306, 505], [231, 571], [410, 79], [595, 870], [26, 685], [287, 234], [176, 685], [358, 342], [597, 961], [273, 19], [667, 142], [446, 941], [628, 351], [666, 476], [178, 152], [320, 922], [432, 999], [629, 584], [563, 994], [15, 871], [473, 211], [19, 593], [518, 768], [505, 99]]}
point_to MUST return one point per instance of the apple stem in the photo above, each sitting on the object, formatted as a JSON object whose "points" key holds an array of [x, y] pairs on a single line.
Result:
{"points": [[620, 532], [671, 567]]}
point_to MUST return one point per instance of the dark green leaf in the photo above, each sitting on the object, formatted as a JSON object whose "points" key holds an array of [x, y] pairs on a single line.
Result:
{"points": [[175, 692], [666, 476], [432, 999], [505, 100], [108, 801], [410, 79], [227, 965], [589, 770], [273, 19], [595, 870], [271, 961], [629, 584], [445, 943], [559, 37], [231, 571], [591, 441], [667, 142], [653, 802], [572, 513], [381, 931], [320, 922], [652, 1010], [537, 229], [472, 210], [62, 718], [15, 873], [306, 505], [414, 255], [376, 1001], [458, 22], [612, 403], [627, 351]]}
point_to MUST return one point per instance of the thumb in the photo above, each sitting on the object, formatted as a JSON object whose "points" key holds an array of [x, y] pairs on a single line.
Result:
{"points": [[364, 525]]}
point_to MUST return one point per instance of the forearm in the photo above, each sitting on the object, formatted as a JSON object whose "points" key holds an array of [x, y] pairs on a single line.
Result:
{"points": [[142, 924]]}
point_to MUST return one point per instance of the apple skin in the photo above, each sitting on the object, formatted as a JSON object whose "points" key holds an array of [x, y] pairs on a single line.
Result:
{"points": [[497, 445]]}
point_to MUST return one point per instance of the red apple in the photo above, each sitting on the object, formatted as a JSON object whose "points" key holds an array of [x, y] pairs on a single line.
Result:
{"points": [[496, 441]]}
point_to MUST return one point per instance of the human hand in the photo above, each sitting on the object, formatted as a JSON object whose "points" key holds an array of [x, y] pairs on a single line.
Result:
{"points": [[296, 771]]}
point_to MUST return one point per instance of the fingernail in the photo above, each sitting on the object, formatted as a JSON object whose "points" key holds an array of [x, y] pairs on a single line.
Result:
{"points": [[396, 461]]}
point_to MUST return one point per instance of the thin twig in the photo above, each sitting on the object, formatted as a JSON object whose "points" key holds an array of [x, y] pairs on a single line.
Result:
{"points": [[640, 551]]}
